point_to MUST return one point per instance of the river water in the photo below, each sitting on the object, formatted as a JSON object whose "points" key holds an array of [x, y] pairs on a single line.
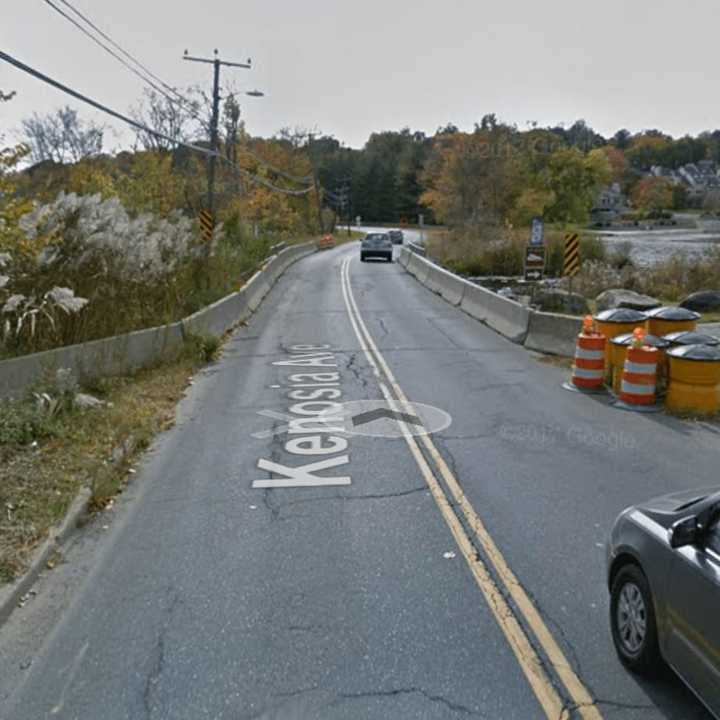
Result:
{"points": [[648, 247]]}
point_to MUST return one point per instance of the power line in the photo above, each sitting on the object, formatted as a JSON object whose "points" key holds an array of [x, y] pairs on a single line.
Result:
{"points": [[109, 50], [98, 106], [181, 99], [128, 55], [139, 126], [270, 166], [257, 180]]}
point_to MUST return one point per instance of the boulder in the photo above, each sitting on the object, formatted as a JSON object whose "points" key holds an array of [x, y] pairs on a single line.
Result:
{"points": [[87, 402], [561, 301], [619, 298], [703, 301], [507, 292]]}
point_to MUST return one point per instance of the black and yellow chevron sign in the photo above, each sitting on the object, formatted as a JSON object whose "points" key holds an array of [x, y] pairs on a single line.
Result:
{"points": [[207, 225], [571, 266]]}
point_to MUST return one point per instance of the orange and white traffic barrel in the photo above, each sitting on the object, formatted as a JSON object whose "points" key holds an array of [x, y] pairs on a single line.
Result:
{"points": [[327, 241], [618, 352], [639, 378], [588, 370]]}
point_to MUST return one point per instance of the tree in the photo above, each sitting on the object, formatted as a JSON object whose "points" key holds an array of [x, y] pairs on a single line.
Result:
{"points": [[474, 179], [574, 179], [621, 139], [171, 118], [233, 126], [648, 149], [62, 136], [12, 207], [617, 161], [653, 194]]}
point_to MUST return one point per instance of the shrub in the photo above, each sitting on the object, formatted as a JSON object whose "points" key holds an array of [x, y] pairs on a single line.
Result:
{"points": [[501, 251]]}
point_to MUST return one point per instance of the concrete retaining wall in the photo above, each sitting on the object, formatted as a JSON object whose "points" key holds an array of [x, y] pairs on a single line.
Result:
{"points": [[126, 353], [219, 317], [109, 356], [553, 334]]}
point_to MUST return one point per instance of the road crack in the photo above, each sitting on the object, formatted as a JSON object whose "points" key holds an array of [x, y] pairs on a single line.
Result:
{"points": [[399, 692], [356, 370]]}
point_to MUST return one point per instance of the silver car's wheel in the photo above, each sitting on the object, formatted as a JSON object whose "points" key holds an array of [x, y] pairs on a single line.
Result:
{"points": [[632, 620]]}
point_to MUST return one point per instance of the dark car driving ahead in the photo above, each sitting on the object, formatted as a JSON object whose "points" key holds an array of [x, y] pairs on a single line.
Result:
{"points": [[396, 236], [376, 245], [664, 580]]}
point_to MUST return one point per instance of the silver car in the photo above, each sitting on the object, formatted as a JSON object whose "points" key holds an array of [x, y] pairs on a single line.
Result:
{"points": [[376, 245], [664, 581]]}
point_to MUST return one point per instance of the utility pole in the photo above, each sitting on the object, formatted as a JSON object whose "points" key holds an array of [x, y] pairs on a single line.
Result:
{"points": [[215, 118], [348, 199], [345, 200], [318, 200]]}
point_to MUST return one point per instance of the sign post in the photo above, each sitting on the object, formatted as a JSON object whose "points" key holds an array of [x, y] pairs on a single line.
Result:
{"points": [[534, 262], [535, 251], [537, 234]]}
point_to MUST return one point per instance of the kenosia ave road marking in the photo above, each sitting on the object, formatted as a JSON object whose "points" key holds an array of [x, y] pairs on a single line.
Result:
{"points": [[527, 657], [315, 417]]}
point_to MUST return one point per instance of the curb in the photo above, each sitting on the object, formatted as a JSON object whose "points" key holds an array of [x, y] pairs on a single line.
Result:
{"points": [[58, 535]]}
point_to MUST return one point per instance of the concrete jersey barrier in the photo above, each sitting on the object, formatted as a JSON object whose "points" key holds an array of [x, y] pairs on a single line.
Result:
{"points": [[403, 256], [553, 334], [507, 317], [122, 354], [418, 267], [450, 287]]}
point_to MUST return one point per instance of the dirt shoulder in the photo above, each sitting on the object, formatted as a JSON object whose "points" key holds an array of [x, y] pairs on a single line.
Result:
{"points": [[49, 450]]}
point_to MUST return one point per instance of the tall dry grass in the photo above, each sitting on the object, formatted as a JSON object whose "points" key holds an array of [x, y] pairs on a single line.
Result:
{"points": [[501, 251]]}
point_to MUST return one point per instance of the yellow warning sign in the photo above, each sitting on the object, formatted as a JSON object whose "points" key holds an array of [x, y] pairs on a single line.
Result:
{"points": [[571, 265], [207, 224]]}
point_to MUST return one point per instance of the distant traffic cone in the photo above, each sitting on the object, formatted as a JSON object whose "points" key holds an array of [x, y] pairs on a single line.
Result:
{"points": [[589, 367]]}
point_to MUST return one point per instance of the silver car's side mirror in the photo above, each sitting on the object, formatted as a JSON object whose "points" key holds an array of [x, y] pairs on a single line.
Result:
{"points": [[684, 532]]}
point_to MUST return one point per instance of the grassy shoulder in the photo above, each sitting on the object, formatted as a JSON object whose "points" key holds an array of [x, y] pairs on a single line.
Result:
{"points": [[49, 450]]}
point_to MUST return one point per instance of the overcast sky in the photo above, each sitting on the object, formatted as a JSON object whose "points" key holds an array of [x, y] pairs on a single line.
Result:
{"points": [[351, 68]]}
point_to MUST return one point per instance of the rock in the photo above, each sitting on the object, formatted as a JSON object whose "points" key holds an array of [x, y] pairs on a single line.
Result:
{"points": [[561, 301], [703, 301], [619, 298], [87, 402], [508, 293]]}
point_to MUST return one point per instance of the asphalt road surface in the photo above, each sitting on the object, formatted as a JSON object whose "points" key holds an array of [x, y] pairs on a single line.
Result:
{"points": [[262, 566]]}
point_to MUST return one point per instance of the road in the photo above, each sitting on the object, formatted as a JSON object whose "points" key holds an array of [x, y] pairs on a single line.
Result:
{"points": [[255, 569]]}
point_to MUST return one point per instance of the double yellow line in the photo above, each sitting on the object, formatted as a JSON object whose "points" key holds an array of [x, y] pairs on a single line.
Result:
{"points": [[508, 619]]}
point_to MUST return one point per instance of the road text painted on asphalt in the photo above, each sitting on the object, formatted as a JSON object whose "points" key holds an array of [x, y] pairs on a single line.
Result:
{"points": [[317, 418]]}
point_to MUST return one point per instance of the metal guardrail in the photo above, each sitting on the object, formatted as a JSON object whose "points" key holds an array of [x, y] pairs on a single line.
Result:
{"points": [[417, 249]]}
